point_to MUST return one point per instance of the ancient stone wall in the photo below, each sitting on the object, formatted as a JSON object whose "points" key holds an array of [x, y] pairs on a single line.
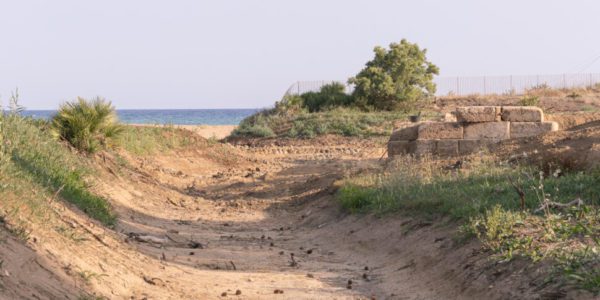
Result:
{"points": [[475, 127]]}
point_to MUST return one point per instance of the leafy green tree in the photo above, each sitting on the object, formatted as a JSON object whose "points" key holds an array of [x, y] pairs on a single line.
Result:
{"points": [[396, 78]]}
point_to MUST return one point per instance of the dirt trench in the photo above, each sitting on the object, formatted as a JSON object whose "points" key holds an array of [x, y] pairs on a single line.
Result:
{"points": [[262, 222]]}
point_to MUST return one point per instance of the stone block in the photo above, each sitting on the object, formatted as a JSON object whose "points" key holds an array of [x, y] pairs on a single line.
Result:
{"points": [[466, 147], [423, 147], [476, 114], [527, 129], [399, 148], [522, 114], [487, 131], [409, 133], [440, 131], [446, 147]]}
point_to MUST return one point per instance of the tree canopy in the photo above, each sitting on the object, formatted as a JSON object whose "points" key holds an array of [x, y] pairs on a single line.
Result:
{"points": [[395, 78]]}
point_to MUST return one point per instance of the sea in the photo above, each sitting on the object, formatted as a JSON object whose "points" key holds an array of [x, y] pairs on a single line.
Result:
{"points": [[169, 116]]}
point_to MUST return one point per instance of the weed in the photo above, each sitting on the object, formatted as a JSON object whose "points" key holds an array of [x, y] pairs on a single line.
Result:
{"points": [[87, 276], [530, 100]]}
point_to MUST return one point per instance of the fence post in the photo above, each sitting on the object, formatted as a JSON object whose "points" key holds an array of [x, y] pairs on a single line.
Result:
{"points": [[484, 87], [298, 83], [564, 81], [511, 85], [591, 84], [457, 86]]}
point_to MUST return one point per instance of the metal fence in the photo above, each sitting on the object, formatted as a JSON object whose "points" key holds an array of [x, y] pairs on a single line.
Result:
{"points": [[483, 85]]}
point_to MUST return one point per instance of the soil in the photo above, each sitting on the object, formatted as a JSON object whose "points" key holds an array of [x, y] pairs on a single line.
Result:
{"points": [[254, 220]]}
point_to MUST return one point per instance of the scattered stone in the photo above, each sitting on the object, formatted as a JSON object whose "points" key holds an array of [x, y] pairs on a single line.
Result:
{"points": [[277, 291], [224, 294], [238, 292]]}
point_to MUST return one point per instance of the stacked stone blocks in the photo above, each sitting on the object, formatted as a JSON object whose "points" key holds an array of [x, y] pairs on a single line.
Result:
{"points": [[476, 127]]}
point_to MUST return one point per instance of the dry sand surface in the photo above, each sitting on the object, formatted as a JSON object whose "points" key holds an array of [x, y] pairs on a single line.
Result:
{"points": [[253, 221], [206, 131]]}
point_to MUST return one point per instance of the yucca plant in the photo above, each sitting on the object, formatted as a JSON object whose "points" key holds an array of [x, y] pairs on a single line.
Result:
{"points": [[87, 124]]}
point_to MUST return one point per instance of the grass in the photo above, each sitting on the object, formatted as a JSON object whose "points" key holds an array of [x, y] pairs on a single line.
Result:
{"points": [[32, 162], [481, 197], [301, 124], [424, 186]]}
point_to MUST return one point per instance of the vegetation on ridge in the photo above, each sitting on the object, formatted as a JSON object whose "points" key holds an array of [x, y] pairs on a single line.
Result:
{"points": [[30, 156], [395, 83]]}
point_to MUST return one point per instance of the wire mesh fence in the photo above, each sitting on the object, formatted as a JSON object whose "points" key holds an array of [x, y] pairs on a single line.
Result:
{"points": [[482, 85]]}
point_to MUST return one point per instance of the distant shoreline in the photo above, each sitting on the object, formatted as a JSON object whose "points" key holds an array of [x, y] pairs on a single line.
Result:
{"points": [[168, 116]]}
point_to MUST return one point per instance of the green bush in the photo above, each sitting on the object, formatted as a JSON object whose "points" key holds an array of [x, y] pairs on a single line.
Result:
{"points": [[85, 124], [396, 78], [329, 96]]}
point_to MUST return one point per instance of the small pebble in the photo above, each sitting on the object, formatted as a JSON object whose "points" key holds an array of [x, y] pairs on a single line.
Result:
{"points": [[224, 294], [238, 292]]}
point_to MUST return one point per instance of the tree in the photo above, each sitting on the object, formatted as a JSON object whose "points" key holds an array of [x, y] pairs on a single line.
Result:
{"points": [[396, 78]]}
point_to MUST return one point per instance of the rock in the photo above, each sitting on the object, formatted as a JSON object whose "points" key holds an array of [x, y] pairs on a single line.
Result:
{"points": [[476, 114], [522, 114], [527, 129], [487, 131], [440, 130], [447, 147], [405, 134]]}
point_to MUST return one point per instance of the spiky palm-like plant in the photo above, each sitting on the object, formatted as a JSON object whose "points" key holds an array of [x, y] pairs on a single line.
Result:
{"points": [[86, 124]]}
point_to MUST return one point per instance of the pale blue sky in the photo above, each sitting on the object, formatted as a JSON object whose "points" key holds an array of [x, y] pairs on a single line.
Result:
{"points": [[246, 53]]}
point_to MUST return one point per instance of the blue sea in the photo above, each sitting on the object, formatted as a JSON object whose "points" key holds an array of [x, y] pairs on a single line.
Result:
{"points": [[169, 116]]}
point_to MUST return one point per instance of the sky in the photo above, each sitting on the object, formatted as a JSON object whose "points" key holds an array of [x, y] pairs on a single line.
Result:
{"points": [[246, 53]]}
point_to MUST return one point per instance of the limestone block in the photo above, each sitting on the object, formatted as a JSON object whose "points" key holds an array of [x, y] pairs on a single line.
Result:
{"points": [[423, 147], [522, 114], [405, 134], [527, 129], [447, 147], [399, 148], [475, 114], [440, 131], [487, 131], [471, 146]]}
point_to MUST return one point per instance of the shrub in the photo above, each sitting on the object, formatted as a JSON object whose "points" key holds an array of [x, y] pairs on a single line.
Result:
{"points": [[330, 96], [395, 78], [257, 125], [86, 124], [529, 100]]}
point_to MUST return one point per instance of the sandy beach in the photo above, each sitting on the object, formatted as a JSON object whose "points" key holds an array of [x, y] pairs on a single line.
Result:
{"points": [[206, 131]]}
